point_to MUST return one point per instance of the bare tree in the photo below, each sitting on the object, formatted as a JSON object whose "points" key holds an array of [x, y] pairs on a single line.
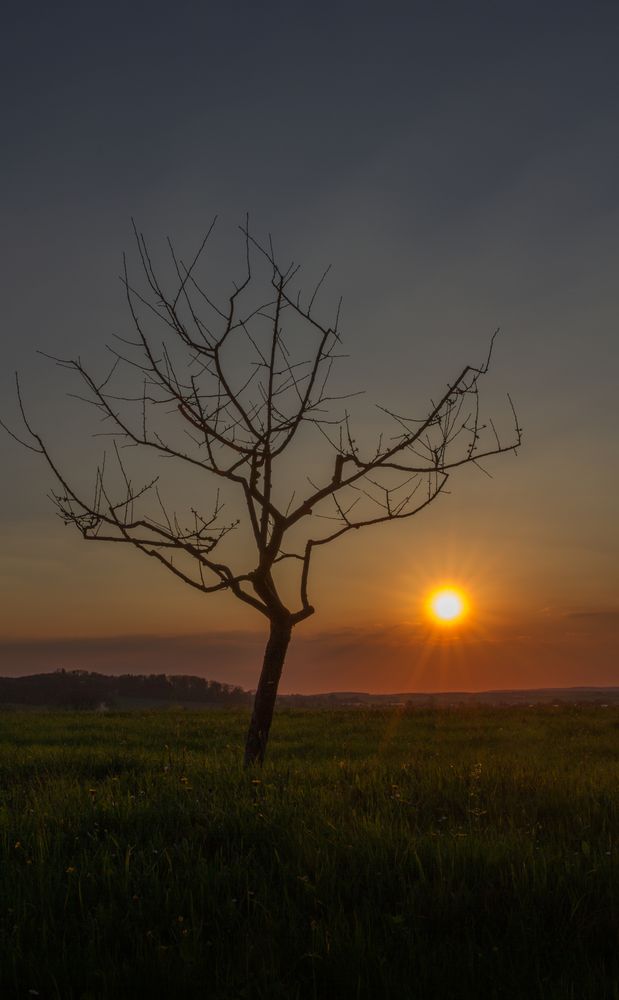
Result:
{"points": [[237, 384]]}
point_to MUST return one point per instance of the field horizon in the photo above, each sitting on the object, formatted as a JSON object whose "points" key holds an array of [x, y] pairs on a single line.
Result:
{"points": [[93, 688]]}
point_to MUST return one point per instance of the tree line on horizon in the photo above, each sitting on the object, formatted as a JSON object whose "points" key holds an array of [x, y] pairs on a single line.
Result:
{"points": [[84, 689]]}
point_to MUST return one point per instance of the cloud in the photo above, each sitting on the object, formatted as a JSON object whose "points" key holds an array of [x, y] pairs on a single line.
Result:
{"points": [[608, 617], [576, 649]]}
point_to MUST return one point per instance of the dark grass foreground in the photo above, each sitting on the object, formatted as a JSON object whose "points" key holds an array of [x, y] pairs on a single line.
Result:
{"points": [[446, 854]]}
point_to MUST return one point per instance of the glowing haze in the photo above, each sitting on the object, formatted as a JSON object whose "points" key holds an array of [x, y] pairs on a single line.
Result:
{"points": [[457, 168]]}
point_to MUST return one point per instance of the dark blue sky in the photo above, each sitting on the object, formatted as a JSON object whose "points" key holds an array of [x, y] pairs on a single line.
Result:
{"points": [[119, 108], [458, 165]]}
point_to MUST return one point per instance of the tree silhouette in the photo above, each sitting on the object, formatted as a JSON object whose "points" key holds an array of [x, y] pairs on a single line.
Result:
{"points": [[230, 390]]}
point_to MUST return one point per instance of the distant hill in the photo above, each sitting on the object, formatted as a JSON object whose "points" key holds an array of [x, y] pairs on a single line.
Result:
{"points": [[85, 690], [82, 689], [530, 696]]}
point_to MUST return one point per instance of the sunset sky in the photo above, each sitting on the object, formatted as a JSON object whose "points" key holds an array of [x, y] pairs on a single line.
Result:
{"points": [[457, 165]]}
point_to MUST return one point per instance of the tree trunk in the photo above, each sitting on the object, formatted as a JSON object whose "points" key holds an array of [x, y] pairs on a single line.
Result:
{"points": [[264, 702]]}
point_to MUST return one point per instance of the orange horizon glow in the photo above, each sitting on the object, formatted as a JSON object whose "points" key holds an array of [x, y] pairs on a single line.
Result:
{"points": [[73, 607]]}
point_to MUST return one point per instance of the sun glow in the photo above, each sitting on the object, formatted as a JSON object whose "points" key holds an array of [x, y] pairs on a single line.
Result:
{"points": [[447, 606]]}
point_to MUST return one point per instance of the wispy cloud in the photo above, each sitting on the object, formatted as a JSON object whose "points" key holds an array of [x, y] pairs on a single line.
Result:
{"points": [[606, 617]]}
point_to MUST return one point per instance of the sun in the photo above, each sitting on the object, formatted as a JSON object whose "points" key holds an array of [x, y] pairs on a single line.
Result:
{"points": [[447, 606]]}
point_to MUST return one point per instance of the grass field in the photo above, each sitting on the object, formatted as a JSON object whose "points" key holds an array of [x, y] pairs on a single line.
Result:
{"points": [[426, 854]]}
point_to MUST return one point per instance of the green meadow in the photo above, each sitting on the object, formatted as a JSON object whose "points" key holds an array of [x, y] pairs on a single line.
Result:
{"points": [[383, 853]]}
